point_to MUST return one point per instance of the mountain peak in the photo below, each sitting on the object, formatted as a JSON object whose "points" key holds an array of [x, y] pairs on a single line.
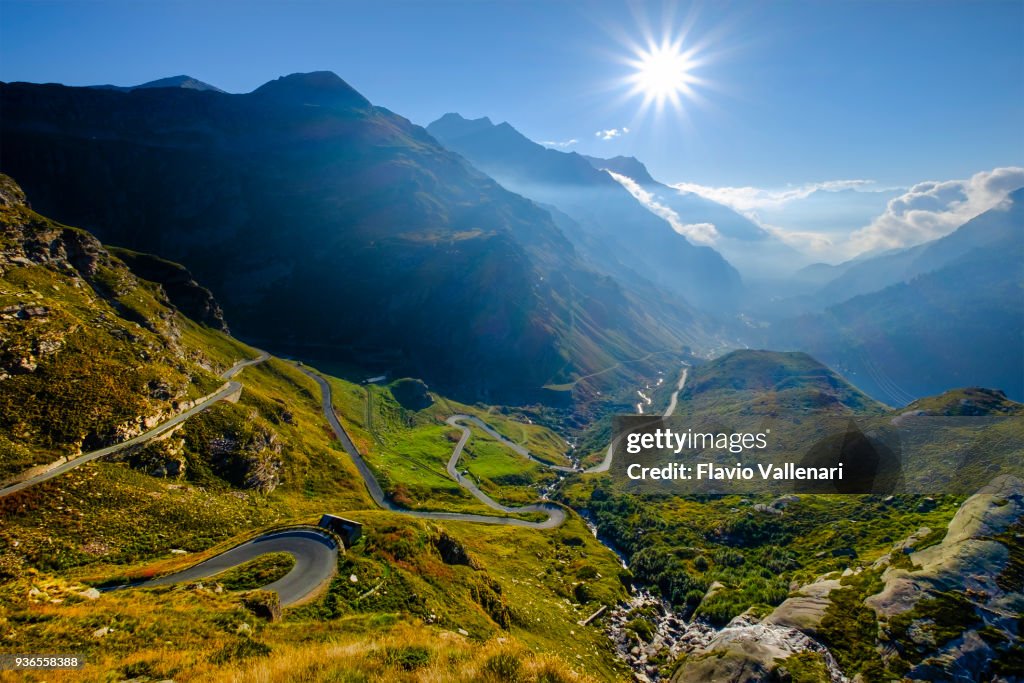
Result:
{"points": [[453, 117], [182, 81], [453, 125], [316, 88], [631, 167]]}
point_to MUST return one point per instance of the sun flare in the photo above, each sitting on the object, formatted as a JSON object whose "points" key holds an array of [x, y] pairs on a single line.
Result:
{"points": [[663, 74]]}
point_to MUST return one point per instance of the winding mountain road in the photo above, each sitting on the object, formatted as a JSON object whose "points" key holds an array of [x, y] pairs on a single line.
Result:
{"points": [[556, 515], [315, 551], [675, 394], [316, 561], [227, 391]]}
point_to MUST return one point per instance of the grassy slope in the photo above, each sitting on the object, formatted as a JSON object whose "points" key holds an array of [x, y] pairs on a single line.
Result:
{"points": [[409, 449], [122, 520]]}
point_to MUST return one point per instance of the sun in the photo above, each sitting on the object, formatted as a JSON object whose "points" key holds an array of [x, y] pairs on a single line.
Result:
{"points": [[663, 74]]}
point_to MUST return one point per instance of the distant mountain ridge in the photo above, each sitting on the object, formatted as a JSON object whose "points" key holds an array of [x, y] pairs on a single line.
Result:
{"points": [[610, 225], [1000, 225], [951, 317], [692, 208], [754, 251], [183, 81]]}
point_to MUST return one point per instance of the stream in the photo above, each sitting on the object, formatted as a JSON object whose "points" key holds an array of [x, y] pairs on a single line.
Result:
{"points": [[671, 636]]}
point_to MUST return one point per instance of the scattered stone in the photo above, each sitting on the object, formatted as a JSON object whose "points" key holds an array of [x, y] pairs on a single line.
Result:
{"points": [[90, 594], [101, 632], [782, 501]]}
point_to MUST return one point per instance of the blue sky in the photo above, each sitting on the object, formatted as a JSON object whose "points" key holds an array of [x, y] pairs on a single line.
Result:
{"points": [[793, 92]]}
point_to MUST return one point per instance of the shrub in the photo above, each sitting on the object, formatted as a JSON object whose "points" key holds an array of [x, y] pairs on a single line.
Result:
{"points": [[408, 658], [504, 667], [241, 649]]}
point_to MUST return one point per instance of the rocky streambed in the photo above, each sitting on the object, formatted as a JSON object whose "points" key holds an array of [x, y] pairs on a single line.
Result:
{"points": [[650, 635]]}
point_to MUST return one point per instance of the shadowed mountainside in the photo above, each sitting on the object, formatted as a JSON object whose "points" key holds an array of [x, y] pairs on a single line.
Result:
{"points": [[334, 228]]}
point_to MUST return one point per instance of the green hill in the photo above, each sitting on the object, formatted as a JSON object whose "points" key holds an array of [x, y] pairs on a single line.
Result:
{"points": [[772, 383]]}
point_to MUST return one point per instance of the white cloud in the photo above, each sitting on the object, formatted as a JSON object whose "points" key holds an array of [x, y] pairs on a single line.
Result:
{"points": [[561, 145], [611, 133], [746, 199], [932, 209], [817, 244], [705, 233]]}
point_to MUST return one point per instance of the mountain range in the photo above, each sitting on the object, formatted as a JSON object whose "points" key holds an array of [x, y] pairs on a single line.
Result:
{"points": [[334, 228], [753, 250], [480, 260]]}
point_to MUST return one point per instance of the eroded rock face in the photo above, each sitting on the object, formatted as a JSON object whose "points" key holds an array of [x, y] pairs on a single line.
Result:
{"points": [[164, 458], [748, 651], [251, 461], [191, 298], [970, 559], [966, 583], [450, 550], [805, 609]]}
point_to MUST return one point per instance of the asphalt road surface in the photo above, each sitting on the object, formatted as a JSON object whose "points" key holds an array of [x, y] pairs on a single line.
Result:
{"points": [[316, 560]]}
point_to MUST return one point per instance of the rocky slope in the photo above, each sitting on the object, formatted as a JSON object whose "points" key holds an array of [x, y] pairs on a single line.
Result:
{"points": [[90, 352], [949, 611]]}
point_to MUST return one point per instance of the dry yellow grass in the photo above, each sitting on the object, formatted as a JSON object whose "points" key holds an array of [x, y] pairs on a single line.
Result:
{"points": [[406, 653]]}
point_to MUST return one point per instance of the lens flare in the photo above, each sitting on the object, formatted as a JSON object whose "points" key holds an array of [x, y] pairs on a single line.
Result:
{"points": [[663, 74]]}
